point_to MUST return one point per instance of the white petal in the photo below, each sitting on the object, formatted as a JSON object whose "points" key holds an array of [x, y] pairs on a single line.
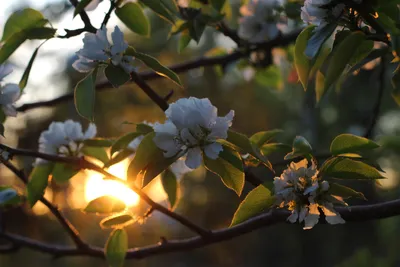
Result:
{"points": [[193, 158], [73, 130], [212, 150], [331, 215], [303, 213], [9, 110], [187, 137], [293, 217], [220, 129], [119, 45], [9, 94], [311, 188], [91, 131], [84, 65], [5, 70], [179, 168], [312, 217]]}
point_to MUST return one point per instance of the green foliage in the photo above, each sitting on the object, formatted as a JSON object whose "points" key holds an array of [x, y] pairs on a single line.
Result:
{"points": [[38, 181], [149, 161], [105, 205], [260, 138], [300, 148], [184, 40], [9, 197], [348, 143], [116, 248], [344, 191], [132, 15], [302, 62], [257, 201], [98, 142], [62, 172], [166, 9], [116, 75], [229, 167], [218, 4], [85, 94], [345, 168], [123, 142], [25, 76], [117, 221], [96, 152], [320, 35], [271, 148], [81, 6], [171, 186]]}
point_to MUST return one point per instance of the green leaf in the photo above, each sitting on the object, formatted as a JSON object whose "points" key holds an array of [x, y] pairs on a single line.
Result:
{"points": [[116, 75], [345, 168], [11, 45], [300, 147], [184, 40], [244, 144], [396, 85], [132, 15], [98, 142], [81, 6], [38, 181], [96, 152], [218, 4], [8, 196], [105, 205], [62, 172], [348, 143], [39, 33], [123, 154], [118, 221], [344, 191], [124, 141], [362, 51], [196, 28], [271, 148], [161, 8], [155, 65], [85, 96], [257, 201], [149, 161], [144, 128], [260, 138], [320, 35], [170, 185], [229, 167], [22, 20], [116, 248], [341, 56], [302, 62], [25, 76]]}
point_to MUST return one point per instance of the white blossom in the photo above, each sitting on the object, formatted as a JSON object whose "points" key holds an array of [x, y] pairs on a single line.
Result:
{"points": [[192, 128], [259, 21], [64, 139], [300, 189], [97, 49], [9, 93]]}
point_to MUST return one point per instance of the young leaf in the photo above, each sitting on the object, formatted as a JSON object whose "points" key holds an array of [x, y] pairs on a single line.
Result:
{"points": [[116, 75], [117, 221], [105, 205], [155, 65], [25, 76], [344, 191], [348, 143], [161, 8], [11, 45], [257, 200], [218, 4], [22, 20], [62, 172], [229, 167], [96, 152], [132, 15], [170, 185], [85, 96], [116, 248], [271, 148], [341, 56], [81, 6], [320, 35], [98, 142], [38, 181], [260, 138], [301, 61], [301, 147], [345, 168], [184, 40], [124, 141]]}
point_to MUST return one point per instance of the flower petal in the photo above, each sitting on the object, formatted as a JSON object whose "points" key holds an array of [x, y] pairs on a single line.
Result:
{"points": [[193, 158], [212, 150]]}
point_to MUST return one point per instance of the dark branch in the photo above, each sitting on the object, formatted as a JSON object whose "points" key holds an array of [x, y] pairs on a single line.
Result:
{"points": [[350, 214], [108, 14], [85, 18]]}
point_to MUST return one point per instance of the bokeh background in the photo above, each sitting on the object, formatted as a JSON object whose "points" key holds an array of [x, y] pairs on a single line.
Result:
{"points": [[263, 98]]}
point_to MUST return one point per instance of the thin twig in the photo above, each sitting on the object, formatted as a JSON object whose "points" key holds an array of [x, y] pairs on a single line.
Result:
{"points": [[113, 5], [85, 18], [349, 214]]}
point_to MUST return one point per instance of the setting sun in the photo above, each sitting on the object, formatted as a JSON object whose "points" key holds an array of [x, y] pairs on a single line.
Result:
{"points": [[96, 187]]}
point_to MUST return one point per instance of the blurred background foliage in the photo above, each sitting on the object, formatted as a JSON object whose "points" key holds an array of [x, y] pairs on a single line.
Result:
{"points": [[263, 98]]}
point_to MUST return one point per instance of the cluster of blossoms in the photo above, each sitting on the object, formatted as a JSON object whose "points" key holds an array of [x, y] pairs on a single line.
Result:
{"points": [[97, 49], [178, 167], [9, 93], [321, 12], [64, 139], [192, 127], [303, 193], [259, 21]]}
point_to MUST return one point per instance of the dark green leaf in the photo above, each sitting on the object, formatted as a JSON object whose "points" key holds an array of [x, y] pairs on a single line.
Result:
{"points": [[117, 221], [344, 191], [105, 205], [85, 96], [170, 185], [144, 128], [218, 4], [11, 45], [99, 142], [271, 148], [38, 181], [116, 248], [345, 168], [318, 38], [62, 172], [81, 6], [348, 143], [96, 152], [300, 147], [120, 156], [132, 15], [161, 9], [260, 138], [25, 76], [301, 61], [124, 141], [39, 33], [184, 40], [116, 75], [22, 20], [229, 167], [257, 201], [196, 29]]}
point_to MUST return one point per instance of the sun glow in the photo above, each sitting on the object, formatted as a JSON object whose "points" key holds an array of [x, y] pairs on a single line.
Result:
{"points": [[96, 186]]}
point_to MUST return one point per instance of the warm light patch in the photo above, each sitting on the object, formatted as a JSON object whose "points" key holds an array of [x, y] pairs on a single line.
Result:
{"points": [[97, 187]]}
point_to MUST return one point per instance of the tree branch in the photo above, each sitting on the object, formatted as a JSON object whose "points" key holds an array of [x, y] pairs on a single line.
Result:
{"points": [[113, 5], [350, 214]]}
